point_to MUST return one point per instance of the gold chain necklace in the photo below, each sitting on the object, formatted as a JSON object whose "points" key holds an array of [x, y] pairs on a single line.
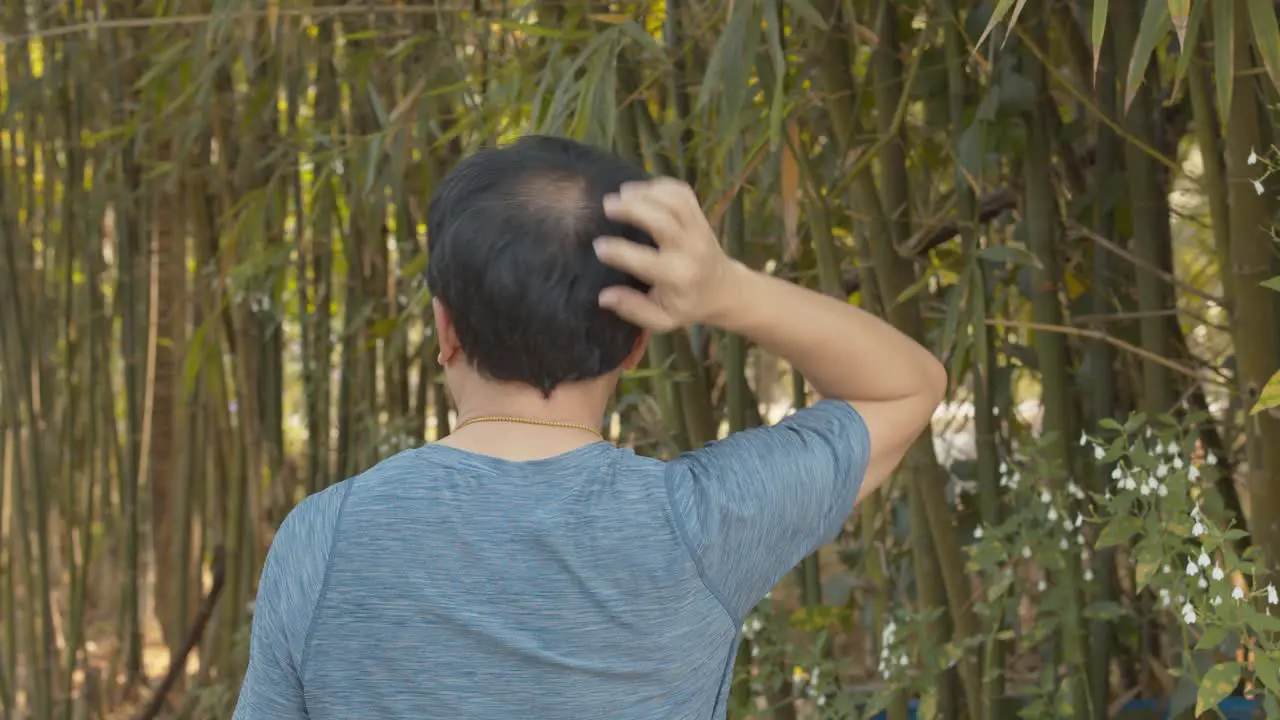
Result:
{"points": [[529, 421]]}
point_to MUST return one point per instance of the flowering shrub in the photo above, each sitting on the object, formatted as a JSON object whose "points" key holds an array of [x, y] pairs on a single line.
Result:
{"points": [[1154, 510], [1185, 550]]}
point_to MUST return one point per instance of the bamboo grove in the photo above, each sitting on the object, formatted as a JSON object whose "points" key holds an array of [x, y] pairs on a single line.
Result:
{"points": [[212, 253]]}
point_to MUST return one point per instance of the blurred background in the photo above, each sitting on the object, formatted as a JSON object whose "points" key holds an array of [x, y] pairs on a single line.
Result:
{"points": [[212, 302]]}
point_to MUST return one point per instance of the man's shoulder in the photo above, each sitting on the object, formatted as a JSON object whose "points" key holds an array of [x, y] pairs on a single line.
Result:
{"points": [[311, 523]]}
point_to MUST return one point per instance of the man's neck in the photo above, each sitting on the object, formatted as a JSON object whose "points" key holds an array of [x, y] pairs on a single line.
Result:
{"points": [[577, 403]]}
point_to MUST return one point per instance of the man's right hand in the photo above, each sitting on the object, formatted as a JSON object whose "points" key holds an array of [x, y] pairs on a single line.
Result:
{"points": [[692, 279]]}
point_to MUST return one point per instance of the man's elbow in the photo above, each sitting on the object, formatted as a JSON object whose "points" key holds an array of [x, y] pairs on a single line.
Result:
{"points": [[934, 383]]}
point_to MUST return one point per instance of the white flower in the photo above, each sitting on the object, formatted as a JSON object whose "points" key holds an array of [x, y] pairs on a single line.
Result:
{"points": [[1162, 470], [977, 533], [1193, 473], [1053, 514], [1253, 157], [1257, 186], [1204, 559], [1202, 583], [1165, 600], [1159, 448], [1042, 586], [1080, 538], [1237, 593], [1063, 544], [1162, 491], [1066, 525], [1195, 512], [1197, 529], [1045, 497], [1216, 601], [1177, 463], [1026, 551], [1211, 459], [1273, 598], [1191, 568], [821, 700], [1088, 575], [1079, 519], [1099, 453], [1146, 489], [1116, 474], [904, 661], [1004, 468], [1083, 438], [1217, 572], [1188, 614], [1166, 569]]}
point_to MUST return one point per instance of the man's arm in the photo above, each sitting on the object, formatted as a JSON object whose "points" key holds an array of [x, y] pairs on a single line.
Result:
{"points": [[272, 686], [893, 382], [848, 354], [282, 612]]}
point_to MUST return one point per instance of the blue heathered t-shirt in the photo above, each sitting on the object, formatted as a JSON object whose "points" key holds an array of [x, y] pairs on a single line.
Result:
{"points": [[593, 584]]}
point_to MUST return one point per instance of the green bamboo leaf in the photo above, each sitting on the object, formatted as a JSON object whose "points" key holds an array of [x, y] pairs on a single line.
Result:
{"points": [[773, 37], [536, 30], [997, 15], [955, 304], [1216, 684], [1266, 35], [1013, 19], [1154, 26], [1179, 14], [726, 57], [637, 33], [1269, 397], [1098, 31], [1224, 38], [805, 9], [1010, 253], [1192, 35]]}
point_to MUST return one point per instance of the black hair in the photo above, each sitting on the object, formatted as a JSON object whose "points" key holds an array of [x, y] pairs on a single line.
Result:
{"points": [[509, 235]]}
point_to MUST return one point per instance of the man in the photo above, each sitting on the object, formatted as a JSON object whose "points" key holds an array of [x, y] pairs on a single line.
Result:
{"points": [[524, 568]]}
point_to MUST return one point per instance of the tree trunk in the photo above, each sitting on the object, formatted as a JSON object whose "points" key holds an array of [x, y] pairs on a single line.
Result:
{"points": [[166, 446], [1257, 328], [1043, 230]]}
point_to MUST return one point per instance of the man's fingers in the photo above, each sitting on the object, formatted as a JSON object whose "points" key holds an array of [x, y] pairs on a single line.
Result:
{"points": [[638, 207], [637, 308], [637, 260], [674, 195]]}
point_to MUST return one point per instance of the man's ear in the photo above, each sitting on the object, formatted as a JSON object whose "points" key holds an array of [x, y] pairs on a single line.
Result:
{"points": [[446, 334], [637, 351]]}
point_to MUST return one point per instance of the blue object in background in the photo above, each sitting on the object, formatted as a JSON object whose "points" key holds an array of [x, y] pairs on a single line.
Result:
{"points": [[1234, 708]]}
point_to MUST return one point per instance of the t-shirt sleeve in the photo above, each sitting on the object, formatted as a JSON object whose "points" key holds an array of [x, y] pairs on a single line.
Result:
{"points": [[753, 505], [291, 583]]}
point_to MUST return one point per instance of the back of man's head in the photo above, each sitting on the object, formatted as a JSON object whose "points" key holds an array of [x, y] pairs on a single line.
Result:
{"points": [[509, 234]]}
